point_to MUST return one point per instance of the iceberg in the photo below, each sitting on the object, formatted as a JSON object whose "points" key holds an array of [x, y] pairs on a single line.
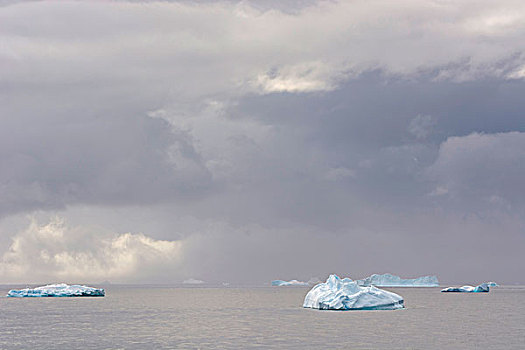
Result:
{"points": [[58, 290], [193, 281], [280, 283], [482, 288], [345, 294], [388, 280]]}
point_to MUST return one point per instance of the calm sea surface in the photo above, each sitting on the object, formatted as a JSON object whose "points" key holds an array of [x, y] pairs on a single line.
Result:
{"points": [[262, 318]]}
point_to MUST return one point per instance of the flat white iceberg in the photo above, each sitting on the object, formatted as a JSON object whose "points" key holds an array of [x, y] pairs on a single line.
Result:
{"points": [[281, 283], [345, 294], [482, 288], [388, 280], [58, 290]]}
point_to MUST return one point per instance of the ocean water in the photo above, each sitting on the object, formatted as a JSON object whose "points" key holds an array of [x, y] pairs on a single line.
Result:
{"points": [[260, 318]]}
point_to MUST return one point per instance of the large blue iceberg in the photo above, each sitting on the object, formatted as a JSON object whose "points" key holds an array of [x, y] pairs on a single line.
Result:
{"points": [[345, 294], [281, 283], [58, 290], [388, 280], [482, 288]]}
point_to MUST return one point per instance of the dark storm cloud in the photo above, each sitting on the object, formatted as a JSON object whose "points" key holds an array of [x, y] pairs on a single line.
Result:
{"points": [[367, 126], [51, 158]]}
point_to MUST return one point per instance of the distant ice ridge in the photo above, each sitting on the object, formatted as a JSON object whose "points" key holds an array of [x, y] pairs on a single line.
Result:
{"points": [[482, 288], [281, 283], [58, 290], [388, 280], [345, 294]]}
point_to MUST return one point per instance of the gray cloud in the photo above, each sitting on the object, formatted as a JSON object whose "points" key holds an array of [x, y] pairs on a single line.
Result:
{"points": [[51, 161], [482, 170], [421, 126]]}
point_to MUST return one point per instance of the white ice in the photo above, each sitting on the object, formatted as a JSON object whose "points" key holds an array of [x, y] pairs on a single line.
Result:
{"points": [[345, 294], [388, 280], [58, 290]]}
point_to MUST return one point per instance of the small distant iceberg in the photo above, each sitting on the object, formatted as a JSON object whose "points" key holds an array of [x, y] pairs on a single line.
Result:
{"points": [[57, 290], [345, 294], [193, 281], [389, 280], [482, 288], [281, 283]]}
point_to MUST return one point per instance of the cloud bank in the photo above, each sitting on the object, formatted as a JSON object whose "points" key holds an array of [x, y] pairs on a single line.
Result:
{"points": [[240, 137]]}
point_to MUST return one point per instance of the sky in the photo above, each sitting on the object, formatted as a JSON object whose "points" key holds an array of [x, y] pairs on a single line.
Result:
{"points": [[244, 141]]}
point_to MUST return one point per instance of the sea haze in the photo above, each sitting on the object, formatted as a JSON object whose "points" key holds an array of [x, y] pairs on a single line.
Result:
{"points": [[140, 317]]}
